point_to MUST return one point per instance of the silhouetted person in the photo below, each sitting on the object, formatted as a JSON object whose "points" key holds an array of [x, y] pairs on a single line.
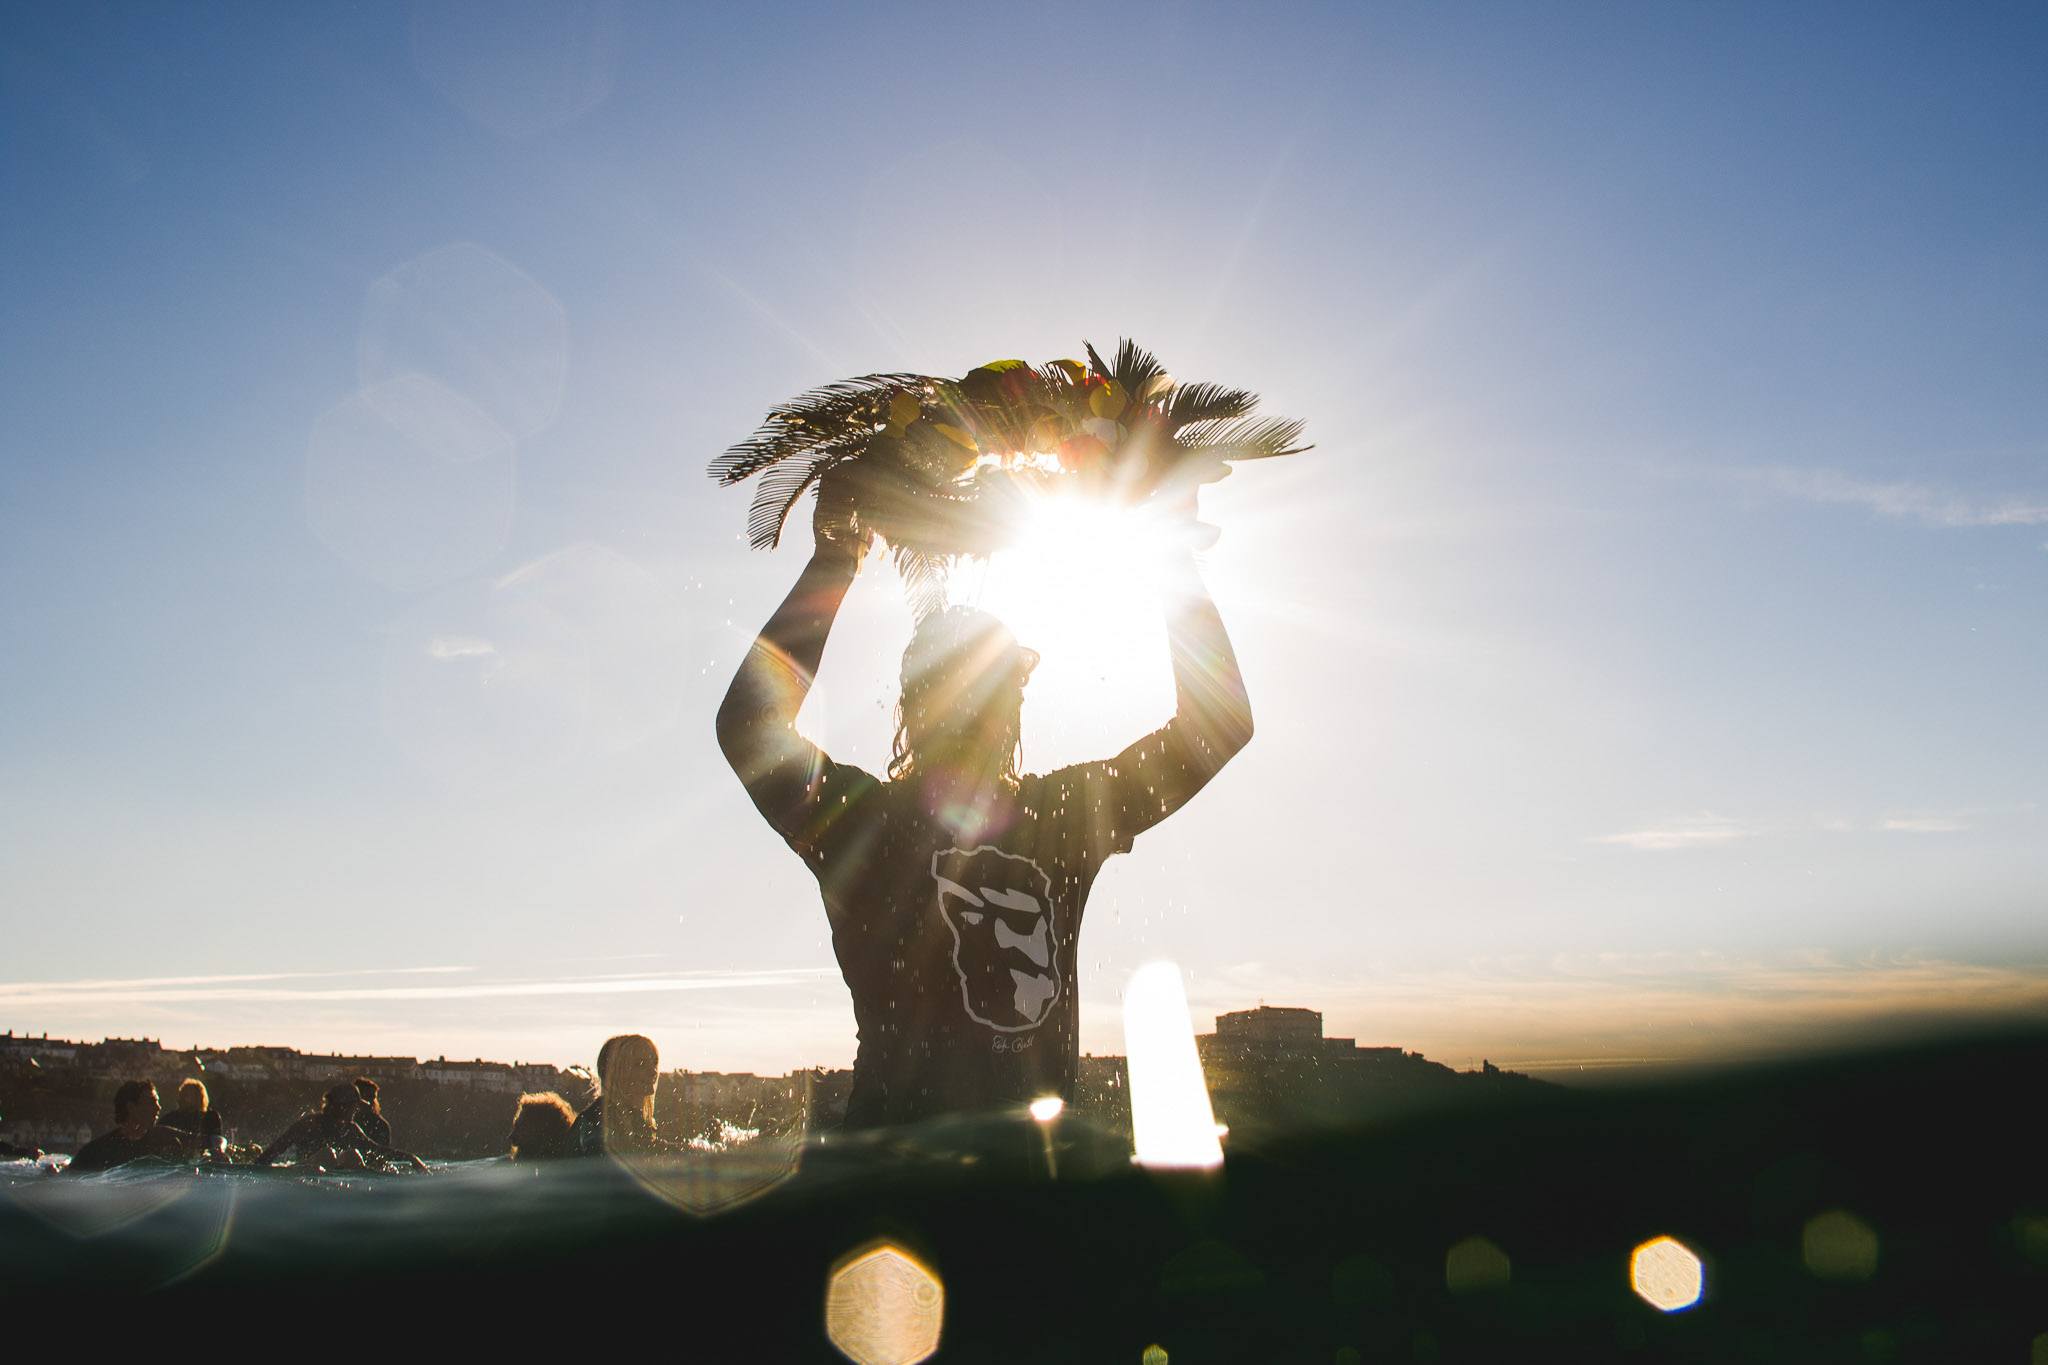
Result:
{"points": [[621, 1117], [370, 1118], [955, 888], [195, 1115], [543, 1128], [137, 1135], [332, 1139]]}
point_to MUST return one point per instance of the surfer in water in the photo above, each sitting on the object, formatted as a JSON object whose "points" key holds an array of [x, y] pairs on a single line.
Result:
{"points": [[621, 1116], [195, 1115], [137, 1135], [370, 1115], [954, 888], [543, 1128], [332, 1139]]}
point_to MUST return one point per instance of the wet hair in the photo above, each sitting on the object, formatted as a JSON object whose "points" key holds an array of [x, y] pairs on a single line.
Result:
{"points": [[344, 1093], [366, 1091], [130, 1094], [188, 1086], [541, 1127], [611, 1048], [609, 1056], [961, 666]]}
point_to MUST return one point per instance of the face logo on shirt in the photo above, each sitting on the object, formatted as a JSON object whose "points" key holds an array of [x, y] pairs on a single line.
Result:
{"points": [[999, 907]]}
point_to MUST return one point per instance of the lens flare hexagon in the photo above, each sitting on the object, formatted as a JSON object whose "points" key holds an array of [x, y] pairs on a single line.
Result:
{"points": [[884, 1307], [1666, 1274]]}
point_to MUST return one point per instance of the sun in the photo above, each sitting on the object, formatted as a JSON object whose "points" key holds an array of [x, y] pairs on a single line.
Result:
{"points": [[1081, 586]]}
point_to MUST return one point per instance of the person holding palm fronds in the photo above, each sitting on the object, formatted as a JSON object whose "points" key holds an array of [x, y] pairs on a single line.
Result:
{"points": [[955, 887]]}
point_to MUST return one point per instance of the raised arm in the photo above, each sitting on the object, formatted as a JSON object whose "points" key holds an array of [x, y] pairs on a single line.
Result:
{"points": [[1212, 720], [389, 1153], [1212, 716], [286, 1141], [757, 721]]}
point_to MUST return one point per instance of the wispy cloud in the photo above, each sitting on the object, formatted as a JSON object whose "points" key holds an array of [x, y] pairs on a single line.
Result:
{"points": [[92, 985], [1699, 831], [1925, 824], [446, 647], [187, 990], [1903, 500], [1956, 819]]}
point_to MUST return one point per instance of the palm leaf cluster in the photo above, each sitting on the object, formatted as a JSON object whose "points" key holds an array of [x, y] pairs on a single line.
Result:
{"points": [[936, 467]]}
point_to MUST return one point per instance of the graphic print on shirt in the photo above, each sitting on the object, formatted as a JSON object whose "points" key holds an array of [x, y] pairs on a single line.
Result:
{"points": [[999, 907]]}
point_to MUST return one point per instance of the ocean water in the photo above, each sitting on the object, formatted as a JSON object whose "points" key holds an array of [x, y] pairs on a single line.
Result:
{"points": [[1884, 1205], [147, 1225], [149, 1228]]}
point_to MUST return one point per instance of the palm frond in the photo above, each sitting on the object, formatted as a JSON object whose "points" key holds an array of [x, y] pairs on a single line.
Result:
{"points": [[1095, 365], [783, 484], [924, 579], [775, 442], [914, 483], [1248, 438], [1135, 367], [809, 420], [777, 495], [1191, 403]]}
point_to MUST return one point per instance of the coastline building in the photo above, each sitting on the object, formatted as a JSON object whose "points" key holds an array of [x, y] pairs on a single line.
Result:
{"points": [[1267, 1068], [21, 1049], [477, 1075], [1278, 1033], [343, 1067], [1271, 1069]]}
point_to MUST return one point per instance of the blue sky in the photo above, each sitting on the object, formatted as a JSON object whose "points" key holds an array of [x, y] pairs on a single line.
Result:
{"points": [[1647, 661]]}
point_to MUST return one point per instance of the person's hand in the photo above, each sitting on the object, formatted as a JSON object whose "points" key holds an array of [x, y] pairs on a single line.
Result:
{"points": [[836, 526]]}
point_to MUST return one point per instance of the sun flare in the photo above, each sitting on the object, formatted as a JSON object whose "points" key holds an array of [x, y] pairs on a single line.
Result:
{"points": [[1081, 586]]}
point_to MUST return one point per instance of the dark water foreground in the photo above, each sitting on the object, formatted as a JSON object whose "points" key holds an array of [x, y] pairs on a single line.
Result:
{"points": [[1888, 1206]]}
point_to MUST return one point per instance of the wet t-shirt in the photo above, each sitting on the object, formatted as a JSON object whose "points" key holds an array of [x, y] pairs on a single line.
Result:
{"points": [[586, 1135], [116, 1149], [957, 934]]}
